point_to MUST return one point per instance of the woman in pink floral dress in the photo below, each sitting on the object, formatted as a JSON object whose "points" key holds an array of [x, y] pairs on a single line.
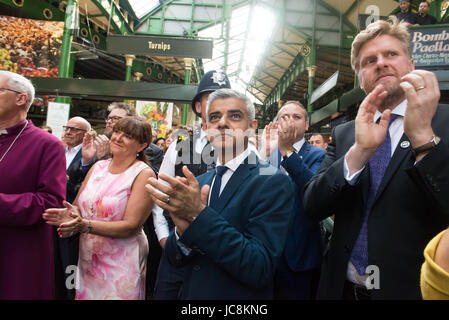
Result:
{"points": [[110, 210]]}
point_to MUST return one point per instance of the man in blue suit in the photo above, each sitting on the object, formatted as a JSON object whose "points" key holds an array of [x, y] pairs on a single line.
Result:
{"points": [[298, 273], [229, 239]]}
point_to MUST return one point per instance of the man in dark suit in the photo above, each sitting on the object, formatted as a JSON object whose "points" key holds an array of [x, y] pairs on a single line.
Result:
{"points": [[299, 268], [228, 240], [194, 151], [386, 210], [66, 250]]}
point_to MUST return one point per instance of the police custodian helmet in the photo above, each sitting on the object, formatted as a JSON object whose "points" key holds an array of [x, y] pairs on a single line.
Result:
{"points": [[211, 81]]}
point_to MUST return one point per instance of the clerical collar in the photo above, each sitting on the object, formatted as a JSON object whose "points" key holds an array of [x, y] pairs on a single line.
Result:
{"points": [[14, 129]]}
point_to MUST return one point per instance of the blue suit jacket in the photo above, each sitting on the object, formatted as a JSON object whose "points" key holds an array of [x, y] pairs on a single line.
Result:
{"points": [[303, 249], [236, 246]]}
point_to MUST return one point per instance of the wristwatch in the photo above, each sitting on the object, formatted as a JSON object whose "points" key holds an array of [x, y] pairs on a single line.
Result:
{"points": [[426, 147]]}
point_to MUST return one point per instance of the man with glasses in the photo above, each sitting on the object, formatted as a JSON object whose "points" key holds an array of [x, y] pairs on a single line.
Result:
{"points": [[32, 179]]}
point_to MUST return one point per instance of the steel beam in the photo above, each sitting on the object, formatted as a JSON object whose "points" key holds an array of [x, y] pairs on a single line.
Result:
{"points": [[120, 90], [114, 15]]}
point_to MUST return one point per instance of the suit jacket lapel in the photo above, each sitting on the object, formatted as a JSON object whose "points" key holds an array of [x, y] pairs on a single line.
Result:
{"points": [[75, 159], [398, 158], [237, 180], [304, 150]]}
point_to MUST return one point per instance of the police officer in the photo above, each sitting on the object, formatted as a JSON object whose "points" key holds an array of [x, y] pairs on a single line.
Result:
{"points": [[194, 151]]}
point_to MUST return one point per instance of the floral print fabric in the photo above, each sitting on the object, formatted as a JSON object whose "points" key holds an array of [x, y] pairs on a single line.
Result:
{"points": [[110, 268]]}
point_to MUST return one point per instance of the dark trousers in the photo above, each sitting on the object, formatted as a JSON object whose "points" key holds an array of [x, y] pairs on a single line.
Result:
{"points": [[65, 254], [291, 285], [154, 256], [169, 280], [353, 291]]}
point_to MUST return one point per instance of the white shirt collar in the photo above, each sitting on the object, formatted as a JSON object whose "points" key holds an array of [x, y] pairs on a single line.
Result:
{"points": [[4, 131], [234, 163], [399, 110], [298, 144], [203, 135], [74, 149]]}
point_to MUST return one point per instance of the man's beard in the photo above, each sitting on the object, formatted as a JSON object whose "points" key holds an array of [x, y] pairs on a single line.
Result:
{"points": [[395, 95]]}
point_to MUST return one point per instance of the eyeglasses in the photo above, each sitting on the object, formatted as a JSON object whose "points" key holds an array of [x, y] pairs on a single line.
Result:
{"points": [[76, 130], [4, 89], [113, 119]]}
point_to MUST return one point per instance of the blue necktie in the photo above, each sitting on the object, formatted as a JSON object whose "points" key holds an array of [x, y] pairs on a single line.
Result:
{"points": [[217, 186], [378, 163]]}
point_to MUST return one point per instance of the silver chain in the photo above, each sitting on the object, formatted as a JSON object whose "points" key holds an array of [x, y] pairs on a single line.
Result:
{"points": [[17, 137]]}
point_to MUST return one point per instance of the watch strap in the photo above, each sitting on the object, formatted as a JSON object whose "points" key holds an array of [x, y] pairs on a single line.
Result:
{"points": [[426, 147]]}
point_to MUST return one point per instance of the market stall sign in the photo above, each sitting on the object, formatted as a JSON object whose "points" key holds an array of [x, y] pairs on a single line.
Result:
{"points": [[430, 47], [159, 46]]}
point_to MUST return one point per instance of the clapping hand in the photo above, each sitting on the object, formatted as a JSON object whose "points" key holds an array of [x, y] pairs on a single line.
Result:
{"points": [[182, 198], [368, 134], [68, 219], [269, 140], [287, 135], [88, 149], [423, 94], [102, 146]]}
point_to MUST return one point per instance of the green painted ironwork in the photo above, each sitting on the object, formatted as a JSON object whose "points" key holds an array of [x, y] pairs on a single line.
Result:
{"points": [[66, 62], [35, 10], [185, 107], [312, 58], [112, 12]]}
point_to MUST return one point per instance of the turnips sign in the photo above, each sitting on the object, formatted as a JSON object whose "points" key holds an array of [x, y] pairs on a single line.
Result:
{"points": [[160, 46], [430, 46]]}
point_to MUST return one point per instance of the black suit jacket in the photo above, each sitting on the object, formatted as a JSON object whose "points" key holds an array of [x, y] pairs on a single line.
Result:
{"points": [[74, 185], [155, 156], [411, 206]]}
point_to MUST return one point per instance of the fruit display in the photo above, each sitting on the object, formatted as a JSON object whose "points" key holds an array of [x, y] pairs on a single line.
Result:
{"points": [[30, 47]]}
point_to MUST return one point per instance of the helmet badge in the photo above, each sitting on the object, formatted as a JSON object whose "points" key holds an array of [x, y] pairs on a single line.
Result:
{"points": [[219, 78]]}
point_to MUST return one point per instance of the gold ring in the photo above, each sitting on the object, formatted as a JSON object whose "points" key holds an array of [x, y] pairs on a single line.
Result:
{"points": [[168, 200], [420, 88]]}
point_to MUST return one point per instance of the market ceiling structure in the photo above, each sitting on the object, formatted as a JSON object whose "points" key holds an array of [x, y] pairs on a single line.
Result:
{"points": [[265, 46]]}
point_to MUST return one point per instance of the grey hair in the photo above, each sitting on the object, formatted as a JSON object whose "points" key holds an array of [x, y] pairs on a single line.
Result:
{"points": [[230, 93], [86, 123], [20, 83], [130, 111]]}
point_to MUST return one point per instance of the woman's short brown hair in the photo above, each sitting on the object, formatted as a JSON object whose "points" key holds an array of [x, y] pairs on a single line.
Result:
{"points": [[137, 128], [392, 27]]}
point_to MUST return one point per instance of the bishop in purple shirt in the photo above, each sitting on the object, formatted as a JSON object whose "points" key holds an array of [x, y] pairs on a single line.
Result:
{"points": [[32, 179]]}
